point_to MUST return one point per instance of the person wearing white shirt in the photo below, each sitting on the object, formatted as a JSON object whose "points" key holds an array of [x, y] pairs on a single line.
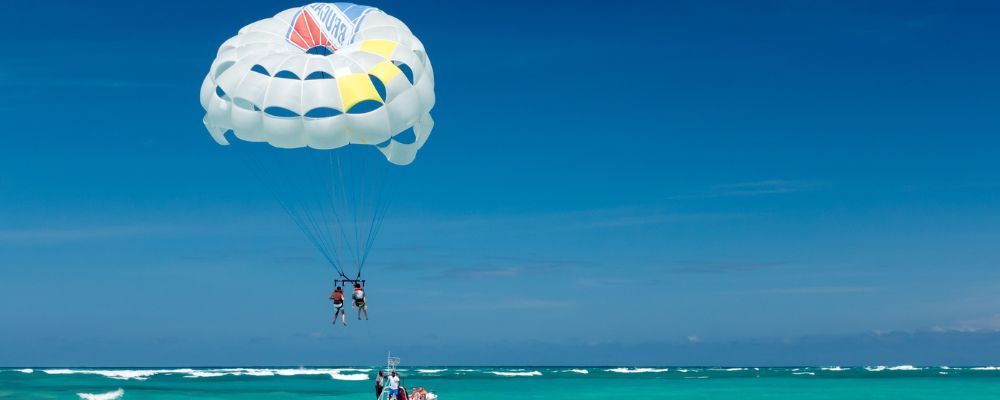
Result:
{"points": [[393, 386]]}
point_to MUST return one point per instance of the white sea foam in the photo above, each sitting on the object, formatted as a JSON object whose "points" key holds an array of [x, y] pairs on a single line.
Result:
{"points": [[904, 368], [334, 373], [517, 373], [695, 377], [26, 370], [340, 376], [876, 369], [143, 374], [580, 371], [113, 395], [636, 370], [803, 373], [205, 374], [465, 370], [985, 369], [124, 374], [942, 373], [431, 371], [834, 369]]}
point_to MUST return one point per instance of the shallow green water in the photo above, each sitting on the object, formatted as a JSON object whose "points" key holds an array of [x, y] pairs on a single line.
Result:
{"points": [[506, 383]]}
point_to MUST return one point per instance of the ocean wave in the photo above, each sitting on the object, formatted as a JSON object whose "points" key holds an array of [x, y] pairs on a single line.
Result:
{"points": [[431, 371], [334, 373], [342, 374], [205, 374], [580, 371], [803, 373], [517, 373], [25, 370], [985, 369], [695, 377], [636, 370], [123, 374], [112, 395], [904, 368], [876, 368], [348, 377], [834, 369]]}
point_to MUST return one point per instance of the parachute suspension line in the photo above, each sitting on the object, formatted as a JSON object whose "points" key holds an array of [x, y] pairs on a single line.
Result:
{"points": [[339, 182], [358, 202], [262, 175], [321, 225], [344, 196], [331, 200], [299, 217], [381, 205], [305, 214]]}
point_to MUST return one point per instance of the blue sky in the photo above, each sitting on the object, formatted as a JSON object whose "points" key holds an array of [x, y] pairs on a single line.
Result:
{"points": [[689, 182]]}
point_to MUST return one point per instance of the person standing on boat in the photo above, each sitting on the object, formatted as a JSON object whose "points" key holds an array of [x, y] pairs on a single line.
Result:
{"points": [[359, 300], [393, 386], [379, 384], [338, 304]]}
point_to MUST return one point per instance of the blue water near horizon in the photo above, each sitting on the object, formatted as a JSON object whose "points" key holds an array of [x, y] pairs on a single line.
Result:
{"points": [[871, 382]]}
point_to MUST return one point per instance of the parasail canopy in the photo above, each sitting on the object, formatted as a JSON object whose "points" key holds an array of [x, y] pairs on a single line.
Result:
{"points": [[324, 75], [298, 90]]}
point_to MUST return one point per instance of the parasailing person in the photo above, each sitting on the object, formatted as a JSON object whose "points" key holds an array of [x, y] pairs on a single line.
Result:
{"points": [[338, 304], [359, 301]]}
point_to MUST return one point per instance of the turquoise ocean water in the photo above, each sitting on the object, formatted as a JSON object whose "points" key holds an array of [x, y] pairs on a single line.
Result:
{"points": [[901, 382]]}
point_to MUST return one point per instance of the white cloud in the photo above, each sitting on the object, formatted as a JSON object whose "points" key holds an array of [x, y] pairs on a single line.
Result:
{"points": [[756, 188], [819, 290], [985, 324]]}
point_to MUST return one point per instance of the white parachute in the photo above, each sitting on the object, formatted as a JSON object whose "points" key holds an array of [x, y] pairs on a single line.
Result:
{"points": [[309, 92], [324, 75]]}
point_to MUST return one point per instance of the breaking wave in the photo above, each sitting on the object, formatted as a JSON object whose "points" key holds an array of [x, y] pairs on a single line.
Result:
{"points": [[636, 370], [431, 371], [113, 395], [520, 373], [338, 375], [123, 374], [342, 374]]}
